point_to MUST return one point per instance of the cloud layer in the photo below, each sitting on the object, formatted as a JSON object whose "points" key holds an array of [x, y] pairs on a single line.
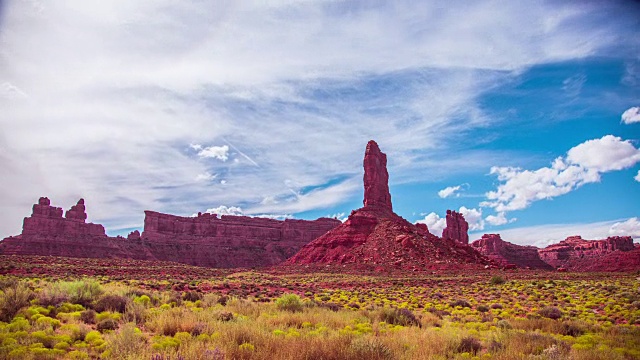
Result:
{"points": [[102, 100]]}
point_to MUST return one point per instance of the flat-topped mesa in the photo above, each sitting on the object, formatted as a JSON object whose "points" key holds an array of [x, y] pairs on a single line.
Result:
{"points": [[376, 178], [457, 227], [47, 220]]}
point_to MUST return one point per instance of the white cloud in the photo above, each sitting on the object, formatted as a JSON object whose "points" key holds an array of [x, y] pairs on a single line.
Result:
{"points": [[434, 222], [117, 90], [584, 164], [631, 227], [473, 218], [606, 154], [449, 191], [637, 177], [499, 219], [226, 210], [631, 115], [218, 152]]}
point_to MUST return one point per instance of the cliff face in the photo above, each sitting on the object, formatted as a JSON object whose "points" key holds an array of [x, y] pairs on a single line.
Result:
{"points": [[493, 247], [374, 235], [574, 249], [206, 240], [229, 241]]}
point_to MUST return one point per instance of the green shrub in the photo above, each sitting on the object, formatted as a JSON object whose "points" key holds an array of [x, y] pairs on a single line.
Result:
{"points": [[497, 280], [289, 302], [14, 296], [127, 343]]}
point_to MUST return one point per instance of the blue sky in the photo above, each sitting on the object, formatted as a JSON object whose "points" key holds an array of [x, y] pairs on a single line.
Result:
{"points": [[523, 116]]}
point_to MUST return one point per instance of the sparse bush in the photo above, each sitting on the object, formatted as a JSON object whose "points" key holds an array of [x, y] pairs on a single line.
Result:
{"points": [[482, 308], [107, 324], [572, 329], [550, 312], [88, 316], [112, 303], [461, 303], [191, 296], [127, 343], [402, 317], [225, 316], [373, 349], [14, 296], [136, 313], [469, 344], [496, 306], [497, 280], [504, 325], [289, 302]]}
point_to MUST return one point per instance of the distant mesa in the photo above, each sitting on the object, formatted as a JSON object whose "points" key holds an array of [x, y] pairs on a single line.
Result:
{"points": [[375, 236], [206, 240], [506, 253], [616, 253]]}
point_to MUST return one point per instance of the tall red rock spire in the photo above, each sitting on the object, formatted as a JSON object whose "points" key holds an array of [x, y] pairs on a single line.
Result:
{"points": [[376, 178]]}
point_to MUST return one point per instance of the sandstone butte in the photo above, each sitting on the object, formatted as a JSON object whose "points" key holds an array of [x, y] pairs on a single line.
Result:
{"points": [[616, 253], [205, 240], [375, 236]]}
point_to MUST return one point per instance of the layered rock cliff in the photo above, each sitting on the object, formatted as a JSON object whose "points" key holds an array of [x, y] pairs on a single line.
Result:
{"points": [[616, 253], [374, 235], [574, 249], [206, 240], [505, 253]]}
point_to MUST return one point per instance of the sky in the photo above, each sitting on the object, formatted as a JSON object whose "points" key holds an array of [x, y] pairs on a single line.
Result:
{"points": [[522, 115]]}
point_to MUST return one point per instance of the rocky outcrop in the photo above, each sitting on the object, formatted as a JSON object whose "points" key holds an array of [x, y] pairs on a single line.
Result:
{"points": [[376, 178], [206, 240], [575, 249], [375, 236], [505, 253], [457, 227]]}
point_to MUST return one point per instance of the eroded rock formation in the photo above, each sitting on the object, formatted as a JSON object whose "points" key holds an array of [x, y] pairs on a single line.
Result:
{"points": [[206, 240], [505, 253], [574, 249], [617, 253], [374, 235], [457, 227]]}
